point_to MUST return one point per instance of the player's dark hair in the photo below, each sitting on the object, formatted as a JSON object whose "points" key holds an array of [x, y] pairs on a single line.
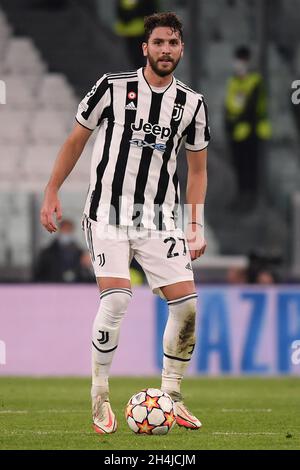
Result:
{"points": [[166, 19]]}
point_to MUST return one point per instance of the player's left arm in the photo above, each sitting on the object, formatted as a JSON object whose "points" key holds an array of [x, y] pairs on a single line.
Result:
{"points": [[195, 199]]}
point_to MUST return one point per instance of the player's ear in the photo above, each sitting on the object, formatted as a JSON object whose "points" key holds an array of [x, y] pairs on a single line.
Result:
{"points": [[145, 49], [182, 49]]}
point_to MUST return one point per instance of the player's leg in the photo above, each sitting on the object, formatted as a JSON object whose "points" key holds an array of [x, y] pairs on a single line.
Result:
{"points": [[167, 265], [178, 344], [110, 254], [115, 294]]}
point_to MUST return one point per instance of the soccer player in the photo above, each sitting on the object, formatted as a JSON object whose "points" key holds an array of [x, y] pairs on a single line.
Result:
{"points": [[142, 118]]}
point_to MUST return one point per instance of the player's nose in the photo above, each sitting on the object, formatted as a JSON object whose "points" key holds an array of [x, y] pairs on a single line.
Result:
{"points": [[166, 48]]}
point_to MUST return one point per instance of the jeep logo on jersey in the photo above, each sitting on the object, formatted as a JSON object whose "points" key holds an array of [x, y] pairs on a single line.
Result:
{"points": [[156, 129]]}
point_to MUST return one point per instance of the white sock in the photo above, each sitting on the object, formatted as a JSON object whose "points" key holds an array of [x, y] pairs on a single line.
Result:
{"points": [[106, 329], [179, 343]]}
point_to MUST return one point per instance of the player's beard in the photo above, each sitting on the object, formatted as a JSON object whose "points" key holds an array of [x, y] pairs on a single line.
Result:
{"points": [[154, 64]]}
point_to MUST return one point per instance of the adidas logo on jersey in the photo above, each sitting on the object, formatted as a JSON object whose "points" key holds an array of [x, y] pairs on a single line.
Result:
{"points": [[131, 106], [189, 267]]}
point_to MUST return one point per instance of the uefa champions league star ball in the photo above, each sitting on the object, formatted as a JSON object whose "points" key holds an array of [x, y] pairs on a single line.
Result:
{"points": [[150, 411]]}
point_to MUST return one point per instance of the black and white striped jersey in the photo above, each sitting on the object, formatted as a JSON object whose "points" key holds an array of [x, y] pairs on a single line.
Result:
{"points": [[133, 171]]}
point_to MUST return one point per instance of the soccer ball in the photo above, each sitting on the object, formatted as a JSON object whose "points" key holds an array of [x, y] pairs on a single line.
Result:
{"points": [[150, 411]]}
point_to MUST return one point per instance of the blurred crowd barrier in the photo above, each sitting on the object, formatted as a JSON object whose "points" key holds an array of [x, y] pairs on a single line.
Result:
{"points": [[46, 331]]}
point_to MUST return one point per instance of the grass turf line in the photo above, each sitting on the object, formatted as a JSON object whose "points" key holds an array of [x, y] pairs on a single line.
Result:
{"points": [[237, 413]]}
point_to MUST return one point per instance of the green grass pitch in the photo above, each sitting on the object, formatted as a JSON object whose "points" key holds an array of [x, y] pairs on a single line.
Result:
{"points": [[237, 413]]}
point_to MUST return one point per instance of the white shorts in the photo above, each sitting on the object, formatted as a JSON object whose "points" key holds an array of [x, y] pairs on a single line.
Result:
{"points": [[163, 255]]}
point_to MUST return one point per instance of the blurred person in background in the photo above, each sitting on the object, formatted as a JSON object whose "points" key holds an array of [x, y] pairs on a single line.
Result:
{"points": [[236, 275], [142, 117], [60, 261], [85, 271], [263, 268], [130, 26], [247, 126], [266, 277]]}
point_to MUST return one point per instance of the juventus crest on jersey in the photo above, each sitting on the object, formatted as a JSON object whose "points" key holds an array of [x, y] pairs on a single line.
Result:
{"points": [[133, 172]]}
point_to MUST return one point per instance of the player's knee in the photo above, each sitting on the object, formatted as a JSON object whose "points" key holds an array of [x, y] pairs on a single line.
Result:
{"points": [[184, 313], [189, 307], [113, 306], [116, 300], [184, 307]]}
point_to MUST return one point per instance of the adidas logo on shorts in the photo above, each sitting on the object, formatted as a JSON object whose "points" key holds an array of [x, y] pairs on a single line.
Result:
{"points": [[189, 267]]}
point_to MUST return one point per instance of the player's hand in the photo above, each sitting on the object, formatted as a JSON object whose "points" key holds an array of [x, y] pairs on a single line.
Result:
{"points": [[196, 241], [51, 205]]}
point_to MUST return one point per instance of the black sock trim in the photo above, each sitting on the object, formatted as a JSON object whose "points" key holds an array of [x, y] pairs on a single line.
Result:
{"points": [[102, 350], [115, 291], [114, 288], [182, 299], [176, 358]]}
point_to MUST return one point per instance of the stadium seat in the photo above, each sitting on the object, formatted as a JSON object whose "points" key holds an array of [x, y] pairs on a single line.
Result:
{"points": [[297, 60], [284, 128], [30, 82], [55, 92], [275, 64], [221, 191], [15, 243], [5, 33], [37, 166], [22, 57], [10, 163], [14, 126], [19, 94], [50, 127], [219, 57]]}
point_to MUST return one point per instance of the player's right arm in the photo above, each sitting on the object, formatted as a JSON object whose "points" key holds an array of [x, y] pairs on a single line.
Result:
{"points": [[89, 115], [64, 164]]}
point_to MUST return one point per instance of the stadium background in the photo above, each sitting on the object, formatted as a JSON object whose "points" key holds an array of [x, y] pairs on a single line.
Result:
{"points": [[51, 53]]}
